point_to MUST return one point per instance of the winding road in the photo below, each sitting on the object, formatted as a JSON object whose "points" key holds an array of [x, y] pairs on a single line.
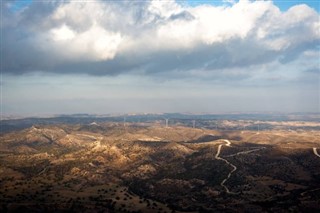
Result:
{"points": [[312, 190], [246, 152], [316, 152], [234, 168], [43, 171]]}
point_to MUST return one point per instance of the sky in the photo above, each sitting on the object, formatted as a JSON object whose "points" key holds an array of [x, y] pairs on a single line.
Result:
{"points": [[105, 57]]}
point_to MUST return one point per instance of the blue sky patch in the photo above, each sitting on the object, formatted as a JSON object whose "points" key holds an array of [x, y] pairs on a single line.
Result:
{"points": [[18, 5], [284, 5]]}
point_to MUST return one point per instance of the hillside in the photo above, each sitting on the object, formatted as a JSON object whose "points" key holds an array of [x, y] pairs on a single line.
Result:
{"points": [[149, 168]]}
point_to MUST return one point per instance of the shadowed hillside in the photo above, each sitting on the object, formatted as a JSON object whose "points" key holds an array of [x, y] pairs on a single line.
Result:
{"points": [[150, 168]]}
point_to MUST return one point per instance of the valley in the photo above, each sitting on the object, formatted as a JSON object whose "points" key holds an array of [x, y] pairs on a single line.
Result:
{"points": [[148, 167]]}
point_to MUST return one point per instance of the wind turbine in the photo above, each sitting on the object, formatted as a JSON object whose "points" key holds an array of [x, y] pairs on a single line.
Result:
{"points": [[194, 123], [167, 121], [243, 126], [124, 124]]}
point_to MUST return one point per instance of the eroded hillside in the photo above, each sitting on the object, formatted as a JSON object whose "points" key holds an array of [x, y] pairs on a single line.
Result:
{"points": [[141, 168]]}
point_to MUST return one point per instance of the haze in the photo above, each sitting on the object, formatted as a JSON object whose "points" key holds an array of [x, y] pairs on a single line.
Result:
{"points": [[159, 56]]}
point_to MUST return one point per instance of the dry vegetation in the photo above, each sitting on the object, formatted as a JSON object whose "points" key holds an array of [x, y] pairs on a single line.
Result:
{"points": [[110, 167]]}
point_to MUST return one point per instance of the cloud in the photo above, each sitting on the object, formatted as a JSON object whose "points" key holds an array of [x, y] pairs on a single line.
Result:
{"points": [[152, 37]]}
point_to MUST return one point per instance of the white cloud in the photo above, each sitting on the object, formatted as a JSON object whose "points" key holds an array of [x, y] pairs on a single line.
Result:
{"points": [[94, 44], [154, 36], [62, 33], [164, 9]]}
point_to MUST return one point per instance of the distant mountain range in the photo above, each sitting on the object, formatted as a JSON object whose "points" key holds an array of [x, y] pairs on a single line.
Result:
{"points": [[8, 124]]}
